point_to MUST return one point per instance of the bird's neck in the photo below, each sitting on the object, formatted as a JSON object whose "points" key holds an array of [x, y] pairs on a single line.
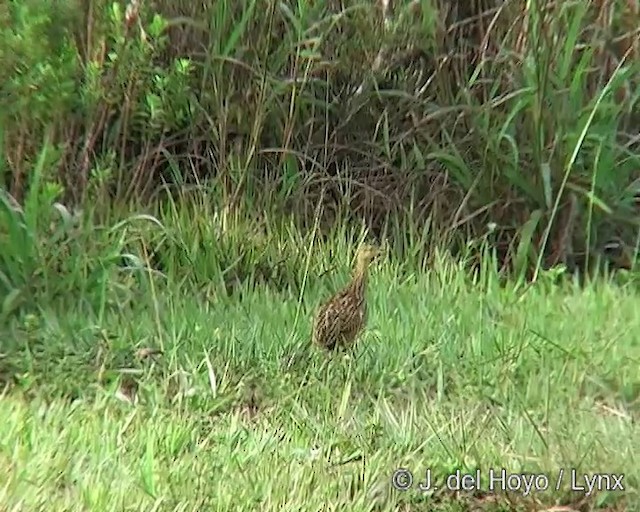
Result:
{"points": [[359, 281]]}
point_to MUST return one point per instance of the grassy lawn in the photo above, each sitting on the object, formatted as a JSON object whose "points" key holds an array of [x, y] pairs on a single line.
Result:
{"points": [[240, 413]]}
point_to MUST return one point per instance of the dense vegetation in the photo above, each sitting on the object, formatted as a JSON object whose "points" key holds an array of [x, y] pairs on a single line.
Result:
{"points": [[184, 182]]}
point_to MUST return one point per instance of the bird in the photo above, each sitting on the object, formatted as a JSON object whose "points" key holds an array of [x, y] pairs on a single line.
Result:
{"points": [[617, 254], [340, 320]]}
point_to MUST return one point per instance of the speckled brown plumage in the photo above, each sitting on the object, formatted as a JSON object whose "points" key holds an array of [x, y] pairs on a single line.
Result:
{"points": [[339, 321]]}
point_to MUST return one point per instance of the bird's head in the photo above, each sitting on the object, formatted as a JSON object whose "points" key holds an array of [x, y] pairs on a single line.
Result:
{"points": [[365, 255], [617, 254]]}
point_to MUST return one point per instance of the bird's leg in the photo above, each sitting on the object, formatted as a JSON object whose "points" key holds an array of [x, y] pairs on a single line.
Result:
{"points": [[348, 350]]}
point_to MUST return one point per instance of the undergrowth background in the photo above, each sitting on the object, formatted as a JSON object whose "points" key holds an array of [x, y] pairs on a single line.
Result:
{"points": [[412, 117]]}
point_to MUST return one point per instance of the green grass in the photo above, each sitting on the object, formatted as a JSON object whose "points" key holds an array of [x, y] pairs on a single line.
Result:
{"points": [[240, 413]]}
